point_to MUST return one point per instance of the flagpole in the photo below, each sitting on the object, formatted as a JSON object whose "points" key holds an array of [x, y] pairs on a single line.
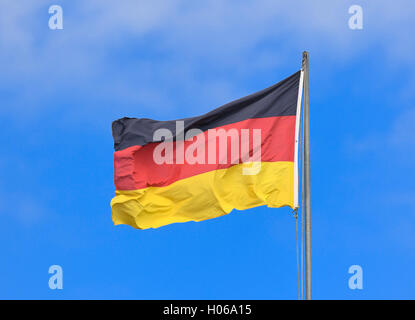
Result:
{"points": [[306, 166]]}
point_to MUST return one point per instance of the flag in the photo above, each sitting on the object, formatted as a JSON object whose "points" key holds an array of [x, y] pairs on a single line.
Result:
{"points": [[238, 156]]}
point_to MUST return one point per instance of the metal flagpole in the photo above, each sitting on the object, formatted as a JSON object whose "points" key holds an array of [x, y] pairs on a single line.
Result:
{"points": [[306, 172]]}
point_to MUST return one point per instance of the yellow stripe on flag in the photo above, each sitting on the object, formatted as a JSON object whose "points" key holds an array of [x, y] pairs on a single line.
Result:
{"points": [[205, 196]]}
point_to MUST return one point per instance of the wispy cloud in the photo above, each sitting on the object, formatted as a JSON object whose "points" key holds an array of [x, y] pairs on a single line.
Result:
{"points": [[168, 41], [22, 208], [396, 141]]}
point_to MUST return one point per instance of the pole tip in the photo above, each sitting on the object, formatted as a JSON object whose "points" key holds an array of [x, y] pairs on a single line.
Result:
{"points": [[305, 59]]}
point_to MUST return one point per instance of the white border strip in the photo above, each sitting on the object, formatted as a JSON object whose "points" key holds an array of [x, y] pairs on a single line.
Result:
{"points": [[297, 131]]}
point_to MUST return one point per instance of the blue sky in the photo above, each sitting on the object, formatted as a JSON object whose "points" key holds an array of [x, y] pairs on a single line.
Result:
{"points": [[61, 89]]}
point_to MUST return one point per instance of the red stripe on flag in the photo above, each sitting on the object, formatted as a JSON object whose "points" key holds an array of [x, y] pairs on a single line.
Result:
{"points": [[135, 168]]}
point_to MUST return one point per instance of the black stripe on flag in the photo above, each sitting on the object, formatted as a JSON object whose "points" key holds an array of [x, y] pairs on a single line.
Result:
{"points": [[277, 100]]}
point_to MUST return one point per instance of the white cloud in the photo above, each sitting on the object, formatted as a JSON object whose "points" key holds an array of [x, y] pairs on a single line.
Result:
{"points": [[183, 36]]}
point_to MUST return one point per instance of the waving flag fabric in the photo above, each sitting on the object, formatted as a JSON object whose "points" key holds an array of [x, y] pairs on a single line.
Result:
{"points": [[240, 155]]}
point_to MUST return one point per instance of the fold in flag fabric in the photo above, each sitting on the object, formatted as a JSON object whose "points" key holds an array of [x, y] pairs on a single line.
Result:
{"points": [[238, 156]]}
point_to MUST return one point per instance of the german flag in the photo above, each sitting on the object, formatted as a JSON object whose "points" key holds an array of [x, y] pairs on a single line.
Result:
{"points": [[238, 156]]}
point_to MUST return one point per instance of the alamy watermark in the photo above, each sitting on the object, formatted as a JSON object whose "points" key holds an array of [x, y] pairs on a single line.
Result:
{"points": [[215, 146], [56, 280], [356, 280], [56, 18], [356, 18]]}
